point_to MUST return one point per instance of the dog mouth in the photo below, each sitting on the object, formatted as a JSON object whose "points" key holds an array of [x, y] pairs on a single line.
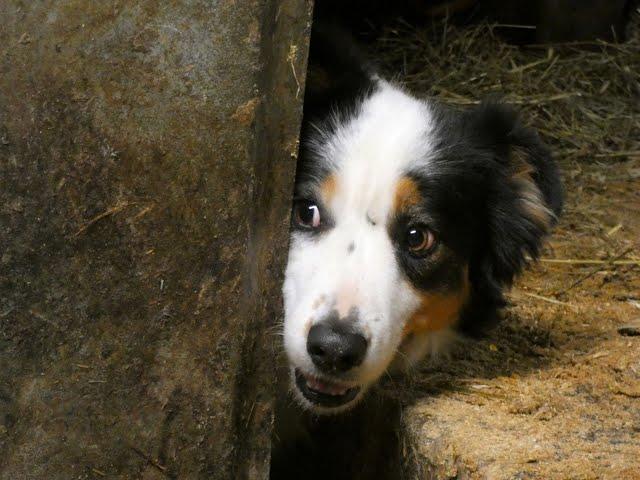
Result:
{"points": [[322, 392]]}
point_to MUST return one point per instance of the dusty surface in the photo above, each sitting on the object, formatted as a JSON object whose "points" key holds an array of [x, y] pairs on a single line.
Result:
{"points": [[135, 282], [554, 392]]}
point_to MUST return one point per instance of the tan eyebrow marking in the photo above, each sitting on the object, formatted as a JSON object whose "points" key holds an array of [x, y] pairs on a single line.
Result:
{"points": [[407, 194], [328, 188]]}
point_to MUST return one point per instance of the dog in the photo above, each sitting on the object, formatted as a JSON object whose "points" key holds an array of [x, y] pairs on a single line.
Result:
{"points": [[409, 221]]}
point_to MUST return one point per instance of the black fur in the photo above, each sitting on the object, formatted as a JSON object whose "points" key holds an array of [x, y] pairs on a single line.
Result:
{"points": [[339, 74], [476, 205]]}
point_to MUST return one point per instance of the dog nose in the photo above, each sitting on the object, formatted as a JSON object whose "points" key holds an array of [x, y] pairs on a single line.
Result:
{"points": [[335, 347]]}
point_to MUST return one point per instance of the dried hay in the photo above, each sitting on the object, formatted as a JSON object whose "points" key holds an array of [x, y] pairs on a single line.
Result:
{"points": [[584, 98]]}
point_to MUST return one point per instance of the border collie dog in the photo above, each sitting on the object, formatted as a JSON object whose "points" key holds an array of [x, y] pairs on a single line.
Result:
{"points": [[409, 220]]}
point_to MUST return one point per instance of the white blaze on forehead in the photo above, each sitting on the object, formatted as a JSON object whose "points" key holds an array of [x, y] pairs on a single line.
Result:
{"points": [[372, 150]]}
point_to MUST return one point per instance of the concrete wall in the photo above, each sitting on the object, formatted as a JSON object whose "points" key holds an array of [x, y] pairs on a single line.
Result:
{"points": [[147, 152]]}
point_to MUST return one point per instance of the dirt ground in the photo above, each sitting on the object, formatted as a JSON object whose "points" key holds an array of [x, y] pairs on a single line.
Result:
{"points": [[554, 391]]}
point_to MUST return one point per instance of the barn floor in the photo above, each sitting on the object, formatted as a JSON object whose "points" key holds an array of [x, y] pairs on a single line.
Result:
{"points": [[554, 391]]}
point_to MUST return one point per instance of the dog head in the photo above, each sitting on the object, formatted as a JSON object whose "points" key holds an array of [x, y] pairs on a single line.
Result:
{"points": [[408, 221]]}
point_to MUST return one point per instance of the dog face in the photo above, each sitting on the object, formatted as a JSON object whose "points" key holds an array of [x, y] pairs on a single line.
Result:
{"points": [[408, 220], [347, 298]]}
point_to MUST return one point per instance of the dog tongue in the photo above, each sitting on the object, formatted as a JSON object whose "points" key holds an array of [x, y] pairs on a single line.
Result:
{"points": [[324, 387]]}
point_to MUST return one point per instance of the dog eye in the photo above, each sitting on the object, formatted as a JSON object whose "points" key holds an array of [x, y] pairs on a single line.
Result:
{"points": [[306, 214], [419, 240]]}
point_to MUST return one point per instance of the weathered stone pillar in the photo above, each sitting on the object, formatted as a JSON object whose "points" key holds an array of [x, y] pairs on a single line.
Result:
{"points": [[147, 154]]}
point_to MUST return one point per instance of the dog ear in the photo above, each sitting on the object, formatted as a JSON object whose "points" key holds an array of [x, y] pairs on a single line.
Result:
{"points": [[524, 196], [337, 73]]}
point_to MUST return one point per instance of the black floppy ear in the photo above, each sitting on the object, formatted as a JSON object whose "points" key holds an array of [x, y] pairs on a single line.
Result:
{"points": [[524, 196], [338, 72]]}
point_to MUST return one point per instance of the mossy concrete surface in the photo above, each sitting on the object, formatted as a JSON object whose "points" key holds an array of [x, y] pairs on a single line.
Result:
{"points": [[147, 152]]}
